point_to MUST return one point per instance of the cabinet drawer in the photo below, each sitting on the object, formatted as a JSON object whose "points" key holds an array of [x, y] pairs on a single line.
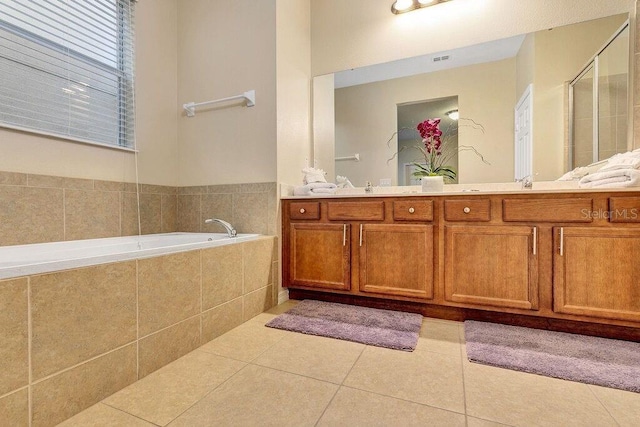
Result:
{"points": [[547, 210], [365, 211], [304, 210], [624, 209], [413, 210], [467, 210]]}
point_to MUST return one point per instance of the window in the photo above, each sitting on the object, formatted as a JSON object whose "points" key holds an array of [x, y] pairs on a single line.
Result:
{"points": [[66, 69]]}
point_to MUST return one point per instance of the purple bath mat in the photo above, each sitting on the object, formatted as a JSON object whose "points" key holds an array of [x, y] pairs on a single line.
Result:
{"points": [[591, 360], [372, 326]]}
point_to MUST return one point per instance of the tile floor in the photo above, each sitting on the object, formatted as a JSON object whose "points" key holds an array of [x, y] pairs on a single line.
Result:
{"points": [[258, 376]]}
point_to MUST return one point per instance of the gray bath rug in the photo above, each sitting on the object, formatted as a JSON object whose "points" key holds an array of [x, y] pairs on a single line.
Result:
{"points": [[372, 326], [591, 360]]}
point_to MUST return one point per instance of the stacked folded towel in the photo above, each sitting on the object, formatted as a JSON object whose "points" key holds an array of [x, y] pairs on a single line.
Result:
{"points": [[314, 183], [621, 170], [315, 188]]}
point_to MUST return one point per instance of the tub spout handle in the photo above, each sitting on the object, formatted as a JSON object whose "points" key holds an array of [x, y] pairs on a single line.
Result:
{"points": [[231, 232]]}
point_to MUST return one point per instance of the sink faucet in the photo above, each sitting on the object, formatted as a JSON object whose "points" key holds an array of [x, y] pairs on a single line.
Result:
{"points": [[231, 232], [527, 181], [368, 188]]}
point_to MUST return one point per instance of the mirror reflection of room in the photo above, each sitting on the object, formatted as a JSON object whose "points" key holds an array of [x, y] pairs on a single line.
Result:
{"points": [[490, 81], [409, 141]]}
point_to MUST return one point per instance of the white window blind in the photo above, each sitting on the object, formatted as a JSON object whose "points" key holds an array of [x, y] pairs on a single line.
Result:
{"points": [[66, 69]]}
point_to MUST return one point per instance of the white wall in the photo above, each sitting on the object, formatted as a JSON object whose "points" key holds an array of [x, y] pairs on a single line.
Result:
{"points": [[293, 65], [156, 127], [353, 33], [227, 47]]}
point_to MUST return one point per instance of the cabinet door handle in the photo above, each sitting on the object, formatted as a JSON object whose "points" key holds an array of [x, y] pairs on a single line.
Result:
{"points": [[302, 210], [411, 210], [561, 241], [466, 209], [535, 240], [360, 234], [344, 234]]}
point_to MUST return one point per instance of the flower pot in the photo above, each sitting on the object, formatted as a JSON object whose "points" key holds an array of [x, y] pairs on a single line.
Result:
{"points": [[432, 184]]}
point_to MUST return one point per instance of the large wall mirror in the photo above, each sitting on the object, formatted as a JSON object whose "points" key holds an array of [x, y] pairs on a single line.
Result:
{"points": [[512, 87]]}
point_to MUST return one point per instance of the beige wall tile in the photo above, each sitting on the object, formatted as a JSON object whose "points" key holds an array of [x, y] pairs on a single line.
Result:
{"points": [[30, 215], [79, 314], [221, 275], [167, 345], [221, 319], [151, 213], [66, 394], [168, 290], [14, 409], [169, 213], [224, 188], [108, 185], [13, 178], [130, 187], [257, 301], [14, 335], [257, 187], [188, 210], [129, 215], [250, 212], [196, 189], [59, 182], [273, 223], [216, 206], [257, 261], [157, 189], [91, 214]]}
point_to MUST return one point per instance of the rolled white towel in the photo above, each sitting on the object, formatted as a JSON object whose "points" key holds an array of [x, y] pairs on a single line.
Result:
{"points": [[616, 178], [315, 188], [628, 160], [312, 175]]}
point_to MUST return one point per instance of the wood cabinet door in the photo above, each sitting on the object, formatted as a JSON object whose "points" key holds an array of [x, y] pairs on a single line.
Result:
{"points": [[396, 260], [596, 272], [491, 265], [319, 256]]}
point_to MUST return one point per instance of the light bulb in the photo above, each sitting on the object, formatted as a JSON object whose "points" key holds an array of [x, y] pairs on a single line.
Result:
{"points": [[402, 5], [453, 114]]}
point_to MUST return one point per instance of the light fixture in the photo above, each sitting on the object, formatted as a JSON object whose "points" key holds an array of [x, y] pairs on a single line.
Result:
{"points": [[453, 114], [402, 6]]}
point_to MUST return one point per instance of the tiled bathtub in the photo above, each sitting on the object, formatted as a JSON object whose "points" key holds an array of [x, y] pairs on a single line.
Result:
{"points": [[72, 337]]}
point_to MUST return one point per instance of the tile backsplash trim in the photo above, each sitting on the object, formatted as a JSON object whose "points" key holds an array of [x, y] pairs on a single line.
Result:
{"points": [[41, 208]]}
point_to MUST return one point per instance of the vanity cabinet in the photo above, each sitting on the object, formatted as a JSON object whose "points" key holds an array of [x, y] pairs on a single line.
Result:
{"points": [[597, 272], [491, 265], [555, 260], [396, 260], [375, 247], [320, 256]]}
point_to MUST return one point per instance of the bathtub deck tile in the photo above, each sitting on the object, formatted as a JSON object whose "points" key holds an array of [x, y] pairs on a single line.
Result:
{"points": [[82, 313]]}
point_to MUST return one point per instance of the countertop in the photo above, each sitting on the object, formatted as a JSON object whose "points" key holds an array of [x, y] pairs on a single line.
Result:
{"points": [[540, 187]]}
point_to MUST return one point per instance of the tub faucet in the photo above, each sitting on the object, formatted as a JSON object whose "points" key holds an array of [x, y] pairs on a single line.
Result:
{"points": [[231, 232]]}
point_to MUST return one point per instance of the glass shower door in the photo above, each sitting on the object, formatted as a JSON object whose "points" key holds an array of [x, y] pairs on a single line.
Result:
{"points": [[582, 131], [598, 104]]}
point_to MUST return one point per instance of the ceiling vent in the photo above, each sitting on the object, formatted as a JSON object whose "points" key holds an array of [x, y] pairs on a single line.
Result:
{"points": [[441, 58]]}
